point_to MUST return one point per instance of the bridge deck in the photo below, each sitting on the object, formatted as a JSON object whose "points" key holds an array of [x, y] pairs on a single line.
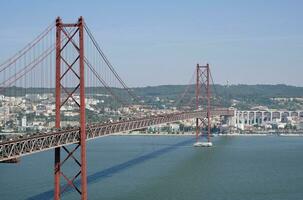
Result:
{"points": [[46, 141]]}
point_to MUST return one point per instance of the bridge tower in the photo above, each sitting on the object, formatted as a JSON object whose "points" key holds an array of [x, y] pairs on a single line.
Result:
{"points": [[70, 36], [203, 96]]}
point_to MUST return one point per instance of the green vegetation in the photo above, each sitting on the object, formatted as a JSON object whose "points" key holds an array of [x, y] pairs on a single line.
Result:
{"points": [[240, 96]]}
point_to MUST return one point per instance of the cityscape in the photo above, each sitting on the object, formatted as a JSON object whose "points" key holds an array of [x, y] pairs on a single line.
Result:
{"points": [[31, 113]]}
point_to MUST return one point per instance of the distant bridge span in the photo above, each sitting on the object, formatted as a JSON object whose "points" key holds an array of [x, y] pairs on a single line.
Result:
{"points": [[34, 144]]}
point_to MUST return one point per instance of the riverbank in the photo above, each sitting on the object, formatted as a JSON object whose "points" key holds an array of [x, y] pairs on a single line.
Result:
{"points": [[216, 135], [155, 134]]}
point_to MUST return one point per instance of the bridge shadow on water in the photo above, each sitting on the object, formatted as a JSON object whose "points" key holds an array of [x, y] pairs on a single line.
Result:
{"points": [[106, 173]]}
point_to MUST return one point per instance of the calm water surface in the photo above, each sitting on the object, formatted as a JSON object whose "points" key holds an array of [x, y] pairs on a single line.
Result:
{"points": [[168, 167]]}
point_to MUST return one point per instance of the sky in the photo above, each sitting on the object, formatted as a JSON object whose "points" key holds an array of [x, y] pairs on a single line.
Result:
{"points": [[160, 42]]}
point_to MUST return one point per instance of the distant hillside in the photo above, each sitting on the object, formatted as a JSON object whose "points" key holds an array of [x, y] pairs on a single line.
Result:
{"points": [[236, 91], [246, 95], [262, 90], [240, 90]]}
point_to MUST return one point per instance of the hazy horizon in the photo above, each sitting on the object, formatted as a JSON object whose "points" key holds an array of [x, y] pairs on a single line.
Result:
{"points": [[238, 84]]}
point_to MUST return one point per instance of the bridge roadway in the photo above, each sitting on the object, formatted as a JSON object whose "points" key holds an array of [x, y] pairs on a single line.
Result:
{"points": [[42, 142]]}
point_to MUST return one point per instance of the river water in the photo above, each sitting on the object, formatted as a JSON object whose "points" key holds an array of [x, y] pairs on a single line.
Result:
{"points": [[169, 167]]}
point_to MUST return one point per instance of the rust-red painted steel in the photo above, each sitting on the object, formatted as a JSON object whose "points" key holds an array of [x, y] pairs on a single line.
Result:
{"points": [[202, 82], [197, 101], [63, 137], [61, 29], [208, 103], [58, 103], [82, 113]]}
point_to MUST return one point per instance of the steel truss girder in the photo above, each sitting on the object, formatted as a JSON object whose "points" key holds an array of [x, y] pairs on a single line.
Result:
{"points": [[46, 141]]}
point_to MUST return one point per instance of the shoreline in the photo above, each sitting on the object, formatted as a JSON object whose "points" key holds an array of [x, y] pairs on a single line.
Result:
{"points": [[149, 134], [217, 135]]}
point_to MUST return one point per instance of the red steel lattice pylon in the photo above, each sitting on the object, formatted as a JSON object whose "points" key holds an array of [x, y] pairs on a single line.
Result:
{"points": [[65, 65], [203, 96]]}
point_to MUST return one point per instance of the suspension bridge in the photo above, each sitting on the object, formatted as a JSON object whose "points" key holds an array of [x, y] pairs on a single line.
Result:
{"points": [[67, 61]]}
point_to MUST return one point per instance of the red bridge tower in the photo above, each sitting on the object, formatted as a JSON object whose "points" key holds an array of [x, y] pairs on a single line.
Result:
{"points": [[203, 99], [67, 65]]}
